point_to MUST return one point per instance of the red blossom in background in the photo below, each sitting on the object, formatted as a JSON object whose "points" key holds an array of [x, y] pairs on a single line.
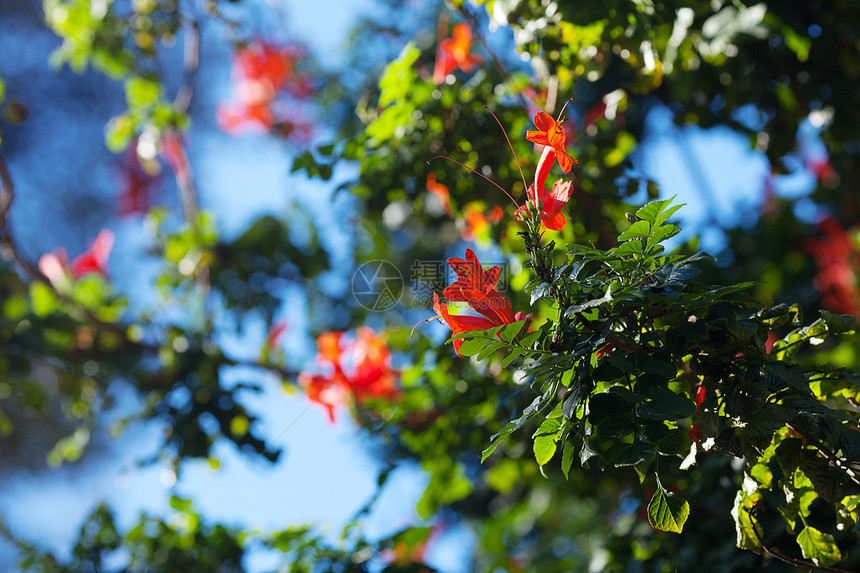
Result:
{"points": [[264, 74], [837, 262], [534, 100], [56, 267], [173, 150], [440, 191], [402, 554], [453, 53], [273, 338], [477, 223], [95, 259], [137, 186], [823, 171], [695, 432], [359, 367]]}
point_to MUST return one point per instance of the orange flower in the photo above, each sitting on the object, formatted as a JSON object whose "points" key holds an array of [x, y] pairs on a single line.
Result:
{"points": [[553, 203], [454, 53], [323, 390], [360, 368], [472, 280], [474, 286], [477, 223], [262, 73], [551, 134], [440, 191], [367, 367], [462, 323]]}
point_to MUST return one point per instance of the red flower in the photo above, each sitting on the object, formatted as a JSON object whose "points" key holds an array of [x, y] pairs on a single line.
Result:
{"points": [[440, 191], [323, 390], [551, 134], [836, 259], [56, 268], [454, 53], [263, 72], [477, 223], [276, 333], [472, 280], [174, 152], [360, 368], [239, 117], [474, 286], [462, 323], [695, 432], [552, 202], [366, 364], [137, 186], [95, 259]]}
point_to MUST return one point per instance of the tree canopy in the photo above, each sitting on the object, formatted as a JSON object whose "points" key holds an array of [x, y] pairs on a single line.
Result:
{"points": [[583, 386]]}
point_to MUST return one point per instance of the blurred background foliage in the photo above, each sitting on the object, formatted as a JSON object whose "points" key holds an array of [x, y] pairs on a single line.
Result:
{"points": [[784, 75]]}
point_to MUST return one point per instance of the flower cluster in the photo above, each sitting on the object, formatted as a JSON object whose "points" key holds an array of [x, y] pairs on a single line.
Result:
{"points": [[476, 286], [264, 75], [357, 366], [550, 134]]}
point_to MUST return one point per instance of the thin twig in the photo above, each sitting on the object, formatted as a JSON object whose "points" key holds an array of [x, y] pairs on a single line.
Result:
{"points": [[6, 192], [190, 64]]}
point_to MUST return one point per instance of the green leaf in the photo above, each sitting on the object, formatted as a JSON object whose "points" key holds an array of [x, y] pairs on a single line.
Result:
{"points": [[141, 92], [472, 346], [118, 133], [664, 405], [819, 547], [530, 411], [660, 234], [511, 330], [396, 81], [629, 248], [838, 323], [638, 230], [650, 211], [490, 348], [546, 440], [748, 530], [512, 355], [661, 218], [566, 458], [667, 511]]}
